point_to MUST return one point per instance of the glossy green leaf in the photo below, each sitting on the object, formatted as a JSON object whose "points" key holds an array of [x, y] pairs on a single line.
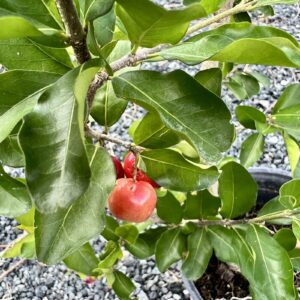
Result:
{"points": [[107, 107], [61, 233], [252, 149], [10, 150], [39, 12], [201, 205], [264, 80], [16, 103], [199, 253], [16, 249], [83, 260], [187, 150], [241, 43], [50, 131], [286, 112], [122, 286], [144, 246], [25, 54], [153, 134], [110, 256], [148, 24], [212, 5], [296, 228], [295, 258], [109, 230], [169, 248], [286, 238], [93, 9], [174, 96], [14, 198], [169, 209], [289, 194], [293, 150], [271, 2], [211, 79], [171, 170], [237, 190], [248, 116], [127, 232]]}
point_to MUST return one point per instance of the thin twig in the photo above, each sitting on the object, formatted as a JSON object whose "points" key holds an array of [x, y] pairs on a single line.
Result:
{"points": [[101, 136], [74, 29], [12, 268]]}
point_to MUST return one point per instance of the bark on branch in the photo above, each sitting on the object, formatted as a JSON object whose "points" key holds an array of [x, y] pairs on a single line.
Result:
{"points": [[74, 29]]}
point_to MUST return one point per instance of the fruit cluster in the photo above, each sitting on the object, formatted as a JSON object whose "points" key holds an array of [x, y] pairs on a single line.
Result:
{"points": [[132, 199]]}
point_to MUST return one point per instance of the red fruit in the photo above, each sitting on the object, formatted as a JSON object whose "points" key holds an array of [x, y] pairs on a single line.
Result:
{"points": [[89, 280], [132, 201], [140, 175], [118, 167]]}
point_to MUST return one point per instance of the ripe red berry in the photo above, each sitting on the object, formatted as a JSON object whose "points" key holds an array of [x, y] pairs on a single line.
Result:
{"points": [[89, 280], [132, 201], [140, 175], [118, 167]]}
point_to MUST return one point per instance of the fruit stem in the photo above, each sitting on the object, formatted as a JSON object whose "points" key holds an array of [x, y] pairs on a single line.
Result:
{"points": [[136, 161]]}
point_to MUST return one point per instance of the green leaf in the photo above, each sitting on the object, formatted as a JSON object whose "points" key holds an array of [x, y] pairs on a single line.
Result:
{"points": [[14, 198], [10, 150], [240, 43], [122, 286], [211, 79], [237, 190], [290, 194], [212, 5], [171, 170], [148, 24], [169, 248], [55, 129], [286, 238], [153, 134], [293, 150], [109, 230], [295, 258], [296, 228], [264, 80], [144, 246], [201, 205], [286, 112], [272, 273], [61, 233], [83, 260], [25, 54], [249, 116], [199, 253], [127, 232], [174, 96], [252, 149], [39, 12], [169, 209], [110, 256], [16, 103], [107, 107], [16, 249], [271, 2], [96, 8]]}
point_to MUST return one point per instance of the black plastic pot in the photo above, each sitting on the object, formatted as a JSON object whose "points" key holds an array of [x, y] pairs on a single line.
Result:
{"points": [[269, 182]]}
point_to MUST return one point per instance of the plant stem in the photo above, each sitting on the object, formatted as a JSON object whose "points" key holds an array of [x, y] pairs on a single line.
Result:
{"points": [[74, 29], [101, 136]]}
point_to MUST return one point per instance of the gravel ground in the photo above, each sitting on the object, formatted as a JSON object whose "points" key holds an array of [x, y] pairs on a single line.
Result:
{"points": [[35, 281]]}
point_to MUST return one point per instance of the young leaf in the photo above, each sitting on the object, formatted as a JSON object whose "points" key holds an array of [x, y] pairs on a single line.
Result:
{"points": [[83, 260], [241, 43], [169, 209], [201, 205], [127, 232], [148, 24], [171, 170], [153, 134], [14, 197], [295, 258], [208, 128], [296, 228], [293, 150], [199, 253], [107, 107], [286, 111], [61, 233], [169, 248], [237, 190], [96, 8], [290, 194], [249, 116], [286, 238], [252, 149], [15, 104], [112, 253], [109, 230], [211, 79], [122, 286], [55, 129]]}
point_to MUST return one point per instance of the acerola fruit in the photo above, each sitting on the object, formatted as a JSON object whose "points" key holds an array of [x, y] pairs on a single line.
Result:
{"points": [[89, 280], [132, 201], [140, 175], [118, 167]]}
